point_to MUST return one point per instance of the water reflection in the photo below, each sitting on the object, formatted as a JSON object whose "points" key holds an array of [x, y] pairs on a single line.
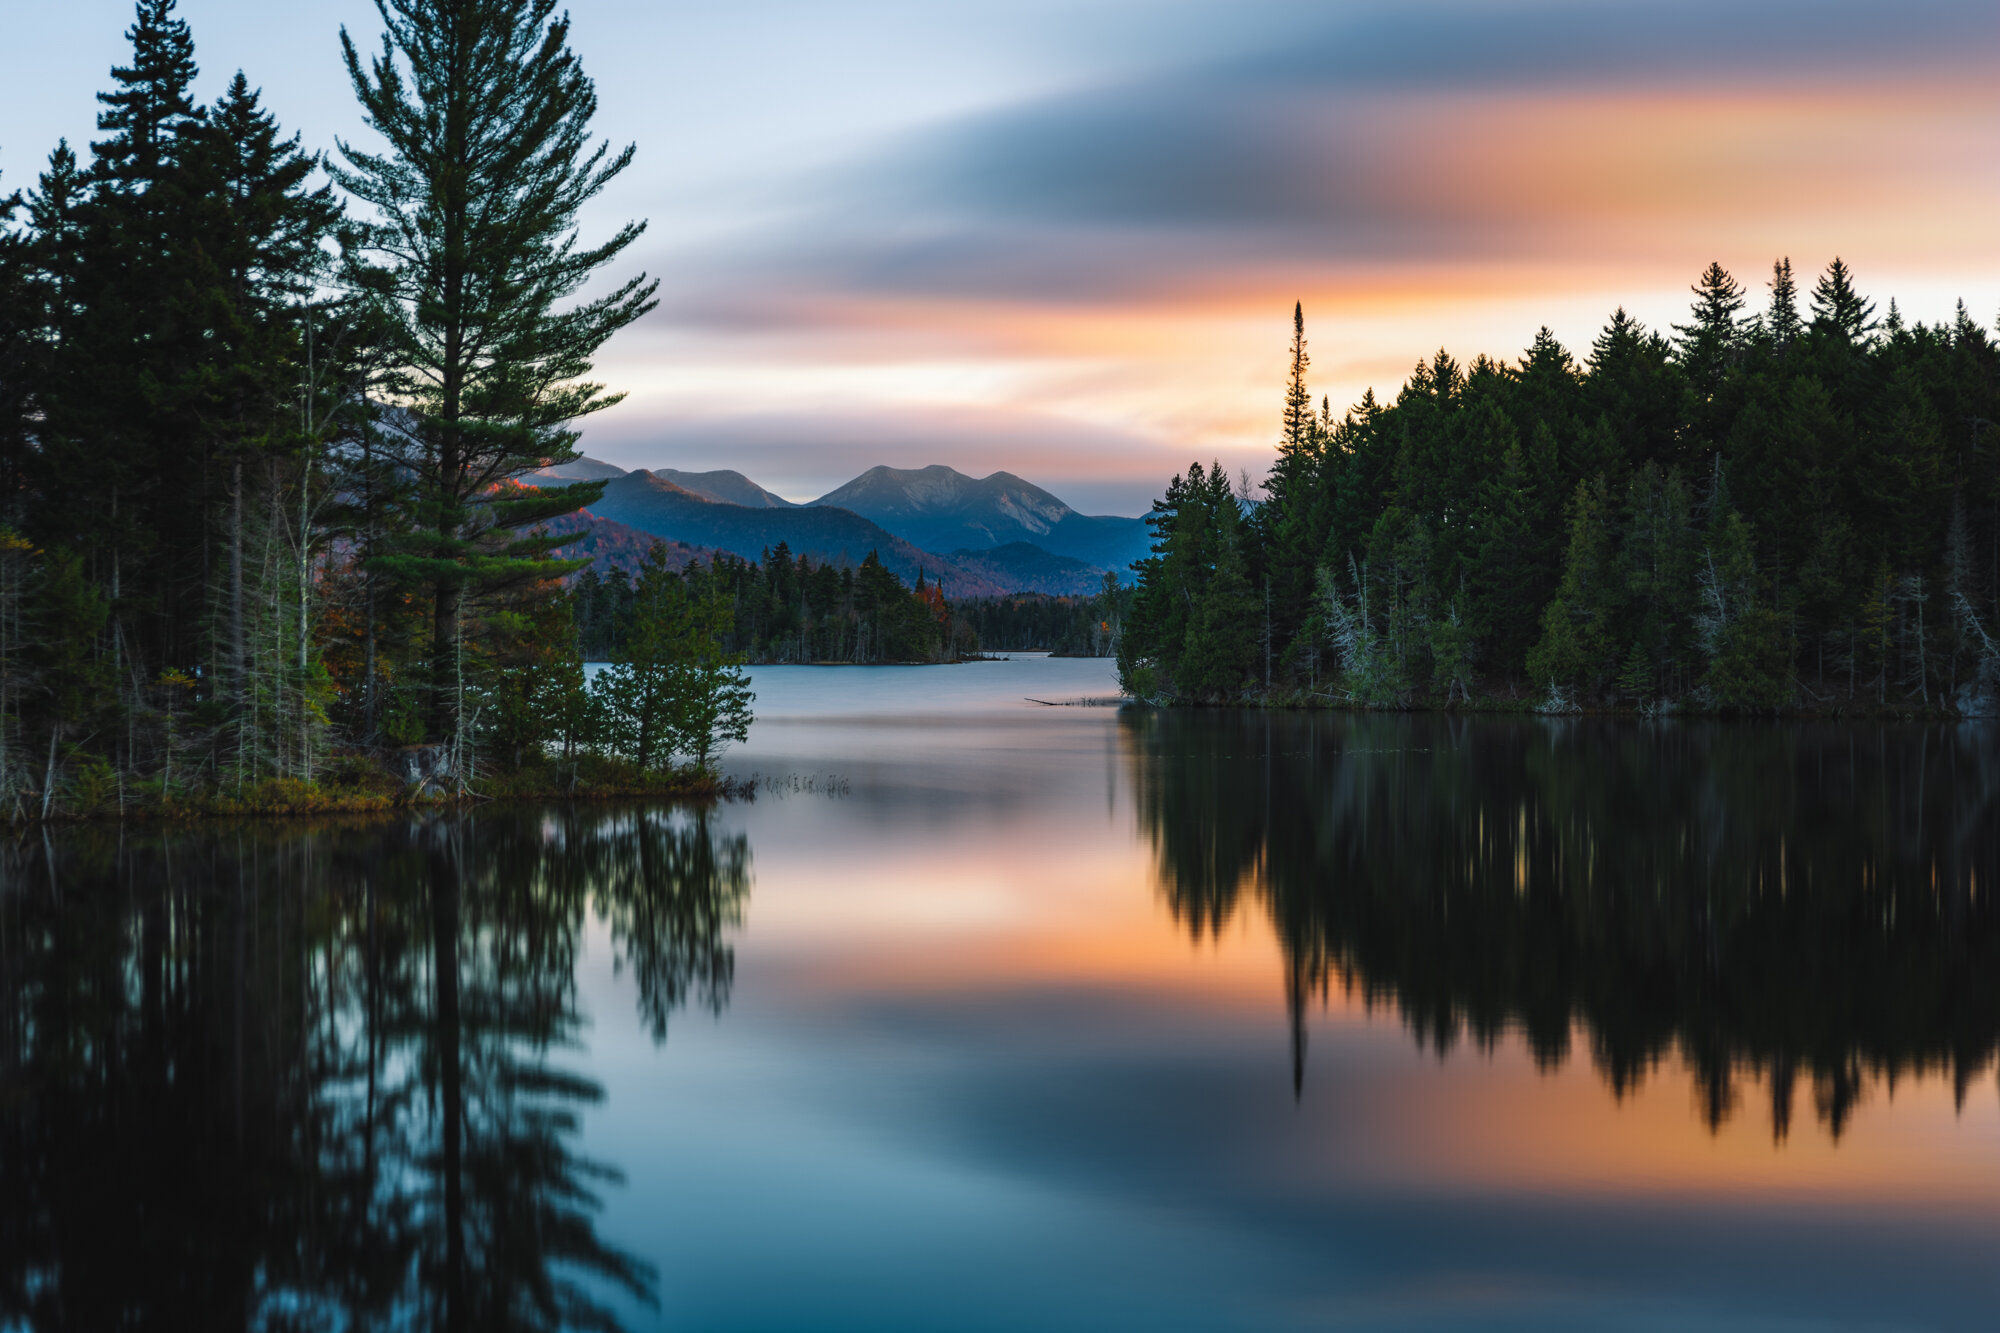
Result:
{"points": [[1772, 904], [281, 1077]]}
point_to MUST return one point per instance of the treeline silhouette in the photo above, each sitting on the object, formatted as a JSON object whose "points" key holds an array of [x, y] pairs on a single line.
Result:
{"points": [[1041, 622], [265, 414], [267, 1076], [1807, 904], [1795, 509], [786, 610], [793, 610]]}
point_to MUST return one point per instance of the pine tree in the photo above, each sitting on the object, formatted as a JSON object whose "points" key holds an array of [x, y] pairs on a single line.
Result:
{"points": [[1290, 527], [637, 694], [712, 696], [472, 255], [1637, 388], [122, 441], [1781, 319], [1219, 654], [261, 232], [1503, 581], [20, 356], [1749, 665], [1577, 629], [1710, 342], [1838, 311]]}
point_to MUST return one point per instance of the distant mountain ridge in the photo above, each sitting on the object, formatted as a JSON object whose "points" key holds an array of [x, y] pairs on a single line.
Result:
{"points": [[1002, 534], [942, 509], [727, 486]]}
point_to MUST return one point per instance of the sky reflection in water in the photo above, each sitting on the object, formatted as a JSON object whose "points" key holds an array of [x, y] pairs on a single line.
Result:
{"points": [[982, 1070], [1056, 1018]]}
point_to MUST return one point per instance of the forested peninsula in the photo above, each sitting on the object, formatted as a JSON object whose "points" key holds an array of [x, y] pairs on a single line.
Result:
{"points": [[1779, 511], [265, 416]]}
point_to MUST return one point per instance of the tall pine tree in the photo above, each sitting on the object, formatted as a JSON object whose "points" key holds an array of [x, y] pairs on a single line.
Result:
{"points": [[472, 252]]}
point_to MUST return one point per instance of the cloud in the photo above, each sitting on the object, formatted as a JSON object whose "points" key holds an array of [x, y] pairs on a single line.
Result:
{"points": [[1120, 257], [1416, 136]]}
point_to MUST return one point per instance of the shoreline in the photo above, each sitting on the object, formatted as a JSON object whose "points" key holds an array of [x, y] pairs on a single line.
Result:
{"points": [[1303, 702], [281, 799]]}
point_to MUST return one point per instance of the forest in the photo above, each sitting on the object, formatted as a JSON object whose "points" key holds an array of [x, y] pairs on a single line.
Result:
{"points": [[1791, 509], [791, 611], [264, 418], [786, 610]]}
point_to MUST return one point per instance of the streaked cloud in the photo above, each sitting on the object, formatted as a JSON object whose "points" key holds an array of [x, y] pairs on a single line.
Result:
{"points": [[1071, 232]]}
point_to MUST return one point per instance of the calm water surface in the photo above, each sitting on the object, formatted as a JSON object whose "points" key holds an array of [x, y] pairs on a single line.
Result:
{"points": [[992, 1015]]}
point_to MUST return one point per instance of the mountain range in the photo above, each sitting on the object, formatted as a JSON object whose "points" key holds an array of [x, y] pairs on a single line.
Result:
{"points": [[977, 536]]}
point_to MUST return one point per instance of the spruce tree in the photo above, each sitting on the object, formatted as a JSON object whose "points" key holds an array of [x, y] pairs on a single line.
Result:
{"points": [[1707, 345], [1781, 319], [1290, 526], [257, 270], [20, 353], [122, 441], [472, 253], [1577, 627], [636, 694], [712, 697], [1838, 311]]}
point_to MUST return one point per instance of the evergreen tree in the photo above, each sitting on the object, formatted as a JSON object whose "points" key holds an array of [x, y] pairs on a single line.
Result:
{"points": [[1637, 390], [472, 255], [1781, 319], [1504, 581], [121, 430], [1838, 311], [1291, 525], [712, 697], [1710, 342], [1748, 665], [639, 695], [1195, 619], [1297, 435], [1219, 655], [1578, 632], [255, 270], [674, 688], [20, 354]]}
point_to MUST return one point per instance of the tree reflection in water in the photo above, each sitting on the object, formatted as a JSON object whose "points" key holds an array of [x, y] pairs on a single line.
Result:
{"points": [[1771, 903], [278, 1077]]}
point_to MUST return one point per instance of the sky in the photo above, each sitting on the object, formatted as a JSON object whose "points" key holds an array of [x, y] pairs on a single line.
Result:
{"points": [[1063, 237]]}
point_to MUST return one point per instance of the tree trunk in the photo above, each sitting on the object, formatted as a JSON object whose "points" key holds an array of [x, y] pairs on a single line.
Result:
{"points": [[237, 647]]}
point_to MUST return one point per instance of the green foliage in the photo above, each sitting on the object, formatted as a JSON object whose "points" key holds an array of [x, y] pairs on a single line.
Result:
{"points": [[1754, 515], [1194, 627], [1577, 625], [261, 506], [794, 611], [673, 688], [1039, 622], [472, 261], [713, 700]]}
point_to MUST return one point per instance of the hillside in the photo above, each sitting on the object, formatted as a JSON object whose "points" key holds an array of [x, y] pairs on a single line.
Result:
{"points": [[726, 486], [581, 468], [651, 503], [984, 524], [613, 545], [1025, 567]]}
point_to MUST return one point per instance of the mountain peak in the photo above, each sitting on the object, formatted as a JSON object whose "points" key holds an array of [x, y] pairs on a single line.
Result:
{"points": [[726, 486], [946, 495]]}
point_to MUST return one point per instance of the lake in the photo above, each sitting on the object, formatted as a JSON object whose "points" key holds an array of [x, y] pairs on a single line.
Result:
{"points": [[987, 1014]]}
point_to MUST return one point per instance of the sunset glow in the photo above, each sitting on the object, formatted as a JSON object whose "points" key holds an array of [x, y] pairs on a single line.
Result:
{"points": [[1069, 248]]}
